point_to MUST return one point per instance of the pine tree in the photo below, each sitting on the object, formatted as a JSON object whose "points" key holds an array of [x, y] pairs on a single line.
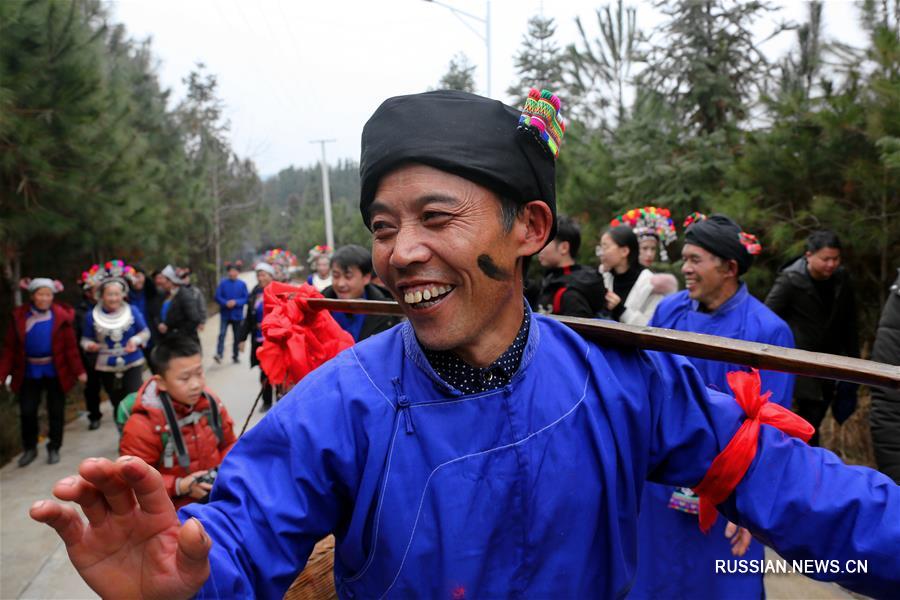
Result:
{"points": [[707, 61], [539, 60], [603, 64], [460, 75]]}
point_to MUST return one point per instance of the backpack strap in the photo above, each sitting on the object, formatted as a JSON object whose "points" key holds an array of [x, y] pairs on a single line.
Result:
{"points": [[175, 444], [214, 418]]}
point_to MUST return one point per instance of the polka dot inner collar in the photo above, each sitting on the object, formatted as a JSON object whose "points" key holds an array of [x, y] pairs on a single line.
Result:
{"points": [[473, 380]]}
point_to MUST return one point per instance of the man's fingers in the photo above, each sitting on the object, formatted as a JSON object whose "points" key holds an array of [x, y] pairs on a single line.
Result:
{"points": [[105, 476], [730, 530], [147, 484], [64, 519], [192, 555], [741, 542], [75, 489]]}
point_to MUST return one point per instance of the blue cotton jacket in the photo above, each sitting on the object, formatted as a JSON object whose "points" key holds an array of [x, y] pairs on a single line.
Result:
{"points": [[675, 559], [112, 356], [531, 490], [232, 289]]}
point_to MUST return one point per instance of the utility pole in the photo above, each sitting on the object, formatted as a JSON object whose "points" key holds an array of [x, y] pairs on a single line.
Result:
{"points": [[326, 194], [485, 37]]}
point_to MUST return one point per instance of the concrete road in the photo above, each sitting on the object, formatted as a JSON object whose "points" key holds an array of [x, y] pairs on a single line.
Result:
{"points": [[33, 561]]}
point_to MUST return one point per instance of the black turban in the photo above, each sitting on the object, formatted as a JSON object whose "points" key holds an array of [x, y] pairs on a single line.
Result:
{"points": [[721, 236], [460, 133]]}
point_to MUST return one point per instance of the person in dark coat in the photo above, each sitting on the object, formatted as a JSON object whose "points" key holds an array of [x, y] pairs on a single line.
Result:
{"points": [[885, 415], [252, 326], [567, 287], [41, 354], [93, 386], [351, 276], [142, 294], [180, 311], [814, 295], [154, 313], [185, 274]]}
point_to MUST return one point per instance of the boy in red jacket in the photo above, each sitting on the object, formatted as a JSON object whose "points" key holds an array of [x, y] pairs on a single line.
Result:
{"points": [[177, 424]]}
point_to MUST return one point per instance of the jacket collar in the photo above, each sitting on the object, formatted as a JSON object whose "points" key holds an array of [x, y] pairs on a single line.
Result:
{"points": [[414, 352], [739, 297]]}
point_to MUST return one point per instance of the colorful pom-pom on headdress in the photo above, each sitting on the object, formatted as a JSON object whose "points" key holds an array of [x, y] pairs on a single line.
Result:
{"points": [[316, 251], [281, 257], [650, 221], [694, 217], [751, 243], [541, 118], [111, 270]]}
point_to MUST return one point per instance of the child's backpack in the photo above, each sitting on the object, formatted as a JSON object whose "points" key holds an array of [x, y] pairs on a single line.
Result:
{"points": [[173, 445]]}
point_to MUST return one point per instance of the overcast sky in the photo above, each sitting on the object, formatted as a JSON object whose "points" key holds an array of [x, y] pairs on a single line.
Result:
{"points": [[293, 71]]}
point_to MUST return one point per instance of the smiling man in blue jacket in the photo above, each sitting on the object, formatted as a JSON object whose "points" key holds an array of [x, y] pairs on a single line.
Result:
{"points": [[476, 450]]}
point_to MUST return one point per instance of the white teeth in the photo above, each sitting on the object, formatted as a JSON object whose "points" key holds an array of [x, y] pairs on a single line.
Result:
{"points": [[427, 294]]}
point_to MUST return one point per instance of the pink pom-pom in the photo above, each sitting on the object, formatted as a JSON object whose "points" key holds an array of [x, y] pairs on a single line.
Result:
{"points": [[554, 100], [533, 93]]}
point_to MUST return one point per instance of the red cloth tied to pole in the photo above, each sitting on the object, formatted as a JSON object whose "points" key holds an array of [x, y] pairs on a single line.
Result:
{"points": [[297, 338], [730, 466]]}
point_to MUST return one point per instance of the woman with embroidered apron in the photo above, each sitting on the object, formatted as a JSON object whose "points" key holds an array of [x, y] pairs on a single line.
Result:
{"points": [[117, 333]]}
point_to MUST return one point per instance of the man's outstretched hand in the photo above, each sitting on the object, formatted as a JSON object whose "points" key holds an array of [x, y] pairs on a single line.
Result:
{"points": [[133, 545]]}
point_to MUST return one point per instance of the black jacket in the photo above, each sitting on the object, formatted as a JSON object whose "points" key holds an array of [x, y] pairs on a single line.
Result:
{"points": [[248, 327], [795, 299], [373, 323], [576, 291], [184, 314], [885, 415]]}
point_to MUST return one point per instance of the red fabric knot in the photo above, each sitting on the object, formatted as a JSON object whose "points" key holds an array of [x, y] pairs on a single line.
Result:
{"points": [[296, 338], [730, 466]]}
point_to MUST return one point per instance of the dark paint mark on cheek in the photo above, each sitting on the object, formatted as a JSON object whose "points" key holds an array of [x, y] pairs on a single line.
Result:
{"points": [[490, 268]]}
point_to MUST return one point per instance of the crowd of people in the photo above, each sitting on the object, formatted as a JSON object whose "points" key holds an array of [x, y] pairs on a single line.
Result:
{"points": [[107, 341], [478, 447]]}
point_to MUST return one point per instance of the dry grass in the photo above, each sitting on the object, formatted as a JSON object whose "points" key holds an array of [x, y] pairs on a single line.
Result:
{"points": [[852, 441]]}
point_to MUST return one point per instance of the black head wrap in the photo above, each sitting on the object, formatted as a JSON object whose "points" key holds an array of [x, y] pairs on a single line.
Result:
{"points": [[460, 133], [721, 236]]}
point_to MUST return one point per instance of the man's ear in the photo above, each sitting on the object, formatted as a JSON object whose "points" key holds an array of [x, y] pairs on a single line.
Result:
{"points": [[160, 383], [367, 279], [733, 268], [538, 221], [564, 248]]}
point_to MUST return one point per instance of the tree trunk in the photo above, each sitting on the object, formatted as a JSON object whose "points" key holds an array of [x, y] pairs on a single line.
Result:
{"points": [[12, 270]]}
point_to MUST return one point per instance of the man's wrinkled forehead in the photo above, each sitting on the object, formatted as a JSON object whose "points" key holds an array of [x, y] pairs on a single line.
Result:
{"points": [[413, 187]]}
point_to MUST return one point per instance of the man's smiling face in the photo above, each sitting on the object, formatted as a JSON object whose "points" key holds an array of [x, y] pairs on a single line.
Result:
{"points": [[440, 245]]}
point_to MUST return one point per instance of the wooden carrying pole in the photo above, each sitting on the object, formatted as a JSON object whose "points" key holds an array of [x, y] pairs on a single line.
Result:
{"points": [[698, 345]]}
